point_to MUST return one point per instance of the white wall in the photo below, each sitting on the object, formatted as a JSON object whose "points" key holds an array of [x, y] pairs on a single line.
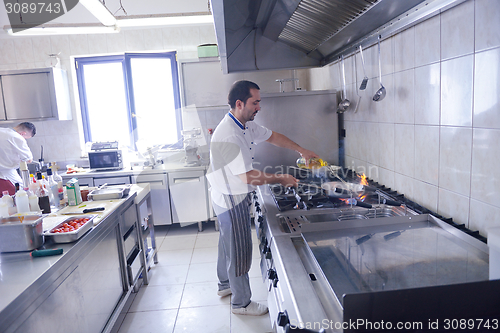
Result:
{"points": [[435, 137], [62, 140]]}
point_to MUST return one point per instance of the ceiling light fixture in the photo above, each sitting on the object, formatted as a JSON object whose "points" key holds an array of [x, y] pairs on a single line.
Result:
{"points": [[63, 30], [99, 11], [141, 21]]}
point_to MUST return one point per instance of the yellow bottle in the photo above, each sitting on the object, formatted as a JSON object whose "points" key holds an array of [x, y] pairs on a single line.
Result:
{"points": [[314, 163]]}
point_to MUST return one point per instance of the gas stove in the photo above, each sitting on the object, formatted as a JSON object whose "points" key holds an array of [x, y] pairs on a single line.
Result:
{"points": [[324, 258], [310, 193]]}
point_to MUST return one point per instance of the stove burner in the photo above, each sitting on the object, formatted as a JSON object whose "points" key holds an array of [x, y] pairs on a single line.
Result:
{"points": [[310, 192], [311, 196]]}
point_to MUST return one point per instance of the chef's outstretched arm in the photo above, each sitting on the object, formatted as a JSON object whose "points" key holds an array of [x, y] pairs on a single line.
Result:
{"points": [[283, 141], [257, 177]]}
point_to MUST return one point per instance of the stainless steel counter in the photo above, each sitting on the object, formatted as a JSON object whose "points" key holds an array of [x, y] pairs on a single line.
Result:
{"points": [[327, 273], [161, 168], [27, 283]]}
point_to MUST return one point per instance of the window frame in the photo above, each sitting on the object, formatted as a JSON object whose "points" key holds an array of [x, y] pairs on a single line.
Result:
{"points": [[125, 60]]}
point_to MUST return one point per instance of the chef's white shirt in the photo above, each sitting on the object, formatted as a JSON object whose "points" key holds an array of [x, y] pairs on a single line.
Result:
{"points": [[13, 149], [232, 153]]}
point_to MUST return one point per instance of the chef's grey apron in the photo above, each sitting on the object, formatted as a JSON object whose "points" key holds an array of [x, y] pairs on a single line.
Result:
{"points": [[238, 208]]}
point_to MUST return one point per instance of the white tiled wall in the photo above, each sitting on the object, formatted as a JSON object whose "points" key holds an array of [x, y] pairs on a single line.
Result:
{"points": [[63, 140], [435, 137]]}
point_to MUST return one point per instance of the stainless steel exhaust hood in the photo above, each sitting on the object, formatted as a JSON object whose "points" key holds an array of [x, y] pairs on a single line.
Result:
{"points": [[281, 34]]}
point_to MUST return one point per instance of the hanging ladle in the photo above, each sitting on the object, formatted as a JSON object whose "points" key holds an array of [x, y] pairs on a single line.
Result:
{"points": [[380, 94], [365, 79], [344, 104], [356, 71]]}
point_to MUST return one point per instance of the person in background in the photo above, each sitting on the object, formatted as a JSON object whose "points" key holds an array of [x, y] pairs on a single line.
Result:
{"points": [[13, 150], [232, 177]]}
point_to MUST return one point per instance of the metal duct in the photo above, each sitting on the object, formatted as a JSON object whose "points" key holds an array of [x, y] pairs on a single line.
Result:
{"points": [[285, 34], [316, 21]]}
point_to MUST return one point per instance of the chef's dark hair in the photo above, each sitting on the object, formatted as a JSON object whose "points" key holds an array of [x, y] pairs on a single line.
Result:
{"points": [[240, 90], [27, 126]]}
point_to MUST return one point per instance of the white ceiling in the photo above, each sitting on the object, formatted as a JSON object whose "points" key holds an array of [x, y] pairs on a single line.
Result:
{"points": [[79, 14]]}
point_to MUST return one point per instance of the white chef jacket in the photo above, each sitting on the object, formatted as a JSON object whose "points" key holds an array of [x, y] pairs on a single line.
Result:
{"points": [[232, 152], [13, 149]]}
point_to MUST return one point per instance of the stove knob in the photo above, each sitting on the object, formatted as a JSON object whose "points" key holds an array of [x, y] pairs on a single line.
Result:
{"points": [[257, 204], [260, 218], [258, 209], [268, 255], [271, 274], [275, 282], [283, 319]]}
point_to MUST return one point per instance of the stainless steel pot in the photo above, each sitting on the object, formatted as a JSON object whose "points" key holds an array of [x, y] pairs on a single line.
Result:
{"points": [[340, 189], [21, 233]]}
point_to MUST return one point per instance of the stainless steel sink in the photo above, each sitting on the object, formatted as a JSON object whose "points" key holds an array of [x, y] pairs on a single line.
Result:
{"points": [[110, 192], [291, 222]]}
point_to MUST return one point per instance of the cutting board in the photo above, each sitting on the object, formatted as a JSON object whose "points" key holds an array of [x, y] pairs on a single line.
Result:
{"points": [[109, 207]]}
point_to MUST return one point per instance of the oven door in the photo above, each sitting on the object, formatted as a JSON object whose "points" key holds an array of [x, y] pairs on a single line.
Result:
{"points": [[294, 296], [105, 160]]}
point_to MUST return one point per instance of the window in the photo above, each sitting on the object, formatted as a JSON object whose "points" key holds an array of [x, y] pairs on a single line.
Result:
{"points": [[132, 98]]}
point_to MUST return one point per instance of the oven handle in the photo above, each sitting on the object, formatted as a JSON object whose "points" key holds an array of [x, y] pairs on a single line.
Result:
{"points": [[284, 321], [289, 329]]}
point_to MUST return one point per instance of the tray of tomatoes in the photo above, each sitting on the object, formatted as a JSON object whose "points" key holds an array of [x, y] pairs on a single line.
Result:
{"points": [[71, 229]]}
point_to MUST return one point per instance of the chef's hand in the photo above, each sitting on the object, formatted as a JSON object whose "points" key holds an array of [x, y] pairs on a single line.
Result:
{"points": [[287, 180], [307, 155]]}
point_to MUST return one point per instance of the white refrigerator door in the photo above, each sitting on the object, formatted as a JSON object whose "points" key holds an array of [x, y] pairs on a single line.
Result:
{"points": [[188, 196]]}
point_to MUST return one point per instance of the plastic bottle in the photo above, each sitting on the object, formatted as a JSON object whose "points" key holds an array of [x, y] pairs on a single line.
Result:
{"points": [[33, 200], [7, 204], [45, 184], [314, 163], [4, 209], [22, 201], [60, 188], [17, 187], [53, 189], [33, 186], [7, 199], [24, 174], [43, 195]]}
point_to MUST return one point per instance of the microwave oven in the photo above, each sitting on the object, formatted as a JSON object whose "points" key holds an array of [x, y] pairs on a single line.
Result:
{"points": [[107, 159]]}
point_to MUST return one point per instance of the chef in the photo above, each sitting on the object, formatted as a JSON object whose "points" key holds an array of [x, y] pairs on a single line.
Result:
{"points": [[232, 177], [13, 150]]}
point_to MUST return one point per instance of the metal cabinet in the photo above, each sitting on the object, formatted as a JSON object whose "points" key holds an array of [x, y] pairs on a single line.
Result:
{"points": [[160, 197], [101, 282], [123, 180], [188, 196], [2, 108], [203, 83], [132, 251], [84, 297], [147, 235], [61, 310], [82, 181], [35, 88], [35, 94]]}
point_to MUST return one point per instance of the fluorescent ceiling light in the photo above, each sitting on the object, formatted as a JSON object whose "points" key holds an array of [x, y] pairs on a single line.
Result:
{"points": [[163, 20], [57, 30], [99, 11]]}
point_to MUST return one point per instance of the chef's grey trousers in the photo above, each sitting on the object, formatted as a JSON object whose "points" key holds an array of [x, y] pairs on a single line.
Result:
{"points": [[226, 261]]}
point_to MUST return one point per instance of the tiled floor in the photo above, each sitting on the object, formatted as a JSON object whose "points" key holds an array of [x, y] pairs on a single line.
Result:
{"points": [[182, 293]]}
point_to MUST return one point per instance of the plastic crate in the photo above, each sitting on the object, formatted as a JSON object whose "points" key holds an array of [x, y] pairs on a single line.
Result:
{"points": [[208, 50]]}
